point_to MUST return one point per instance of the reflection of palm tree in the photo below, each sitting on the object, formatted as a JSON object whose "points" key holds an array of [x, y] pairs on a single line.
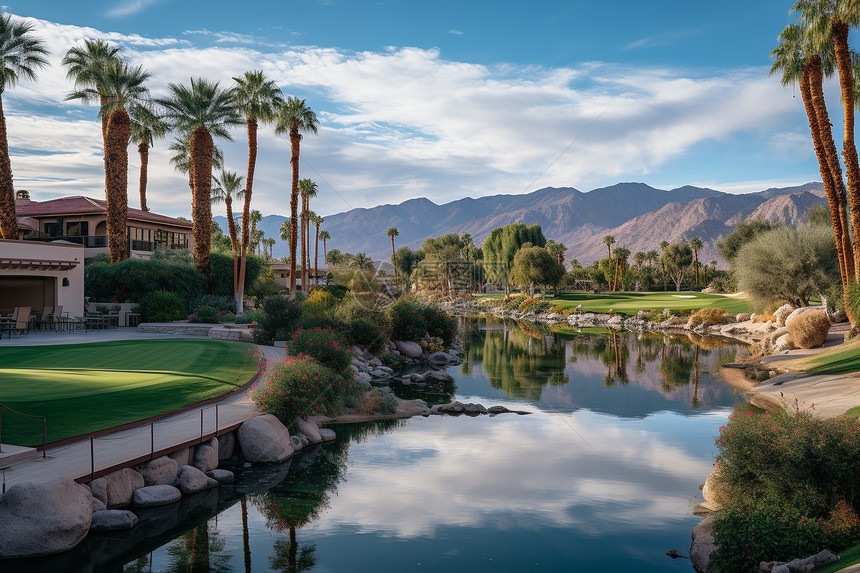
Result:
{"points": [[246, 543], [200, 550], [289, 559], [694, 401]]}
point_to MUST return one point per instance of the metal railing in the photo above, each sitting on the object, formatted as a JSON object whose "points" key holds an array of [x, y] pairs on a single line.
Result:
{"points": [[44, 428]]}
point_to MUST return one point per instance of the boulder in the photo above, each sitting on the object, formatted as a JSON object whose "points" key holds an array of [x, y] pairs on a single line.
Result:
{"points": [[98, 488], [800, 311], [298, 442], [742, 316], [310, 430], [703, 544], [363, 378], [98, 505], [38, 519], [327, 435], [160, 471], [438, 376], [264, 439], [221, 476], [379, 373], [120, 486], [839, 316], [182, 457], [113, 520], [782, 313], [783, 343], [493, 410], [226, 446], [206, 456], [192, 480], [438, 358], [156, 495]]}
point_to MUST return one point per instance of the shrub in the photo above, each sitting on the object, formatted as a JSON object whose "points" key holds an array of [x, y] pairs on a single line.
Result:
{"points": [[278, 319], [364, 307], [299, 387], [723, 284], [431, 345], [324, 345], [367, 334], [161, 306], [226, 316], [377, 401], [133, 279], [439, 323], [218, 302], [809, 330], [205, 314], [513, 303], [221, 274], [764, 318], [708, 316], [396, 362], [322, 299], [250, 316], [407, 322]]}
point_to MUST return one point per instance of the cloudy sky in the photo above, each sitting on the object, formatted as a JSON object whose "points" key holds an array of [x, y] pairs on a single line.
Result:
{"points": [[442, 99]]}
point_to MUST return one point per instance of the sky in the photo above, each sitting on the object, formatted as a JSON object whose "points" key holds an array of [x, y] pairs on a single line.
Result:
{"points": [[444, 99]]}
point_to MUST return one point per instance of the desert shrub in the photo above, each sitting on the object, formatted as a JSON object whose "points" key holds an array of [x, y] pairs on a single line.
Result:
{"points": [[337, 291], [396, 362], [250, 316], [354, 307], [161, 306], [205, 314], [407, 322], [322, 299], [133, 279], [723, 284], [218, 302], [377, 401], [809, 330], [764, 318], [708, 316], [298, 387], [324, 345], [367, 334], [278, 319], [431, 345]]}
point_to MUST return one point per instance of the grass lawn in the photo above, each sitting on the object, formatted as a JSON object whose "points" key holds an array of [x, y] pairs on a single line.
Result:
{"points": [[847, 557], [632, 302], [84, 388]]}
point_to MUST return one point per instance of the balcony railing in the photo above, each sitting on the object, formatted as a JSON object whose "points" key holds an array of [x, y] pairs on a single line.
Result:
{"points": [[101, 241]]}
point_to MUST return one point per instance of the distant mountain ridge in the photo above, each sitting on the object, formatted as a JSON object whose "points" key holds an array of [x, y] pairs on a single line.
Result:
{"points": [[637, 215]]}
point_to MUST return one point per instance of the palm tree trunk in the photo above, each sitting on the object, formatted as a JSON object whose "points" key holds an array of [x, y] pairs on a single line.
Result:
{"points": [[304, 222], [295, 139], [116, 184], [316, 250], [325, 253], [696, 264], [234, 242], [393, 258], [246, 213], [143, 150], [201, 147], [8, 218], [246, 545]]}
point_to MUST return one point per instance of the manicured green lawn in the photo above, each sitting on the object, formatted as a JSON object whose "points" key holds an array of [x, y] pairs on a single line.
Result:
{"points": [[847, 557], [632, 302], [84, 388], [842, 362]]}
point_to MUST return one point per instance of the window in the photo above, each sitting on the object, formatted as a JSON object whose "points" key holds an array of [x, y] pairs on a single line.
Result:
{"points": [[78, 229]]}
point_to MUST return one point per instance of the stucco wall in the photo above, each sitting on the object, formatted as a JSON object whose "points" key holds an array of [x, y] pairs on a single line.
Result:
{"points": [[70, 297]]}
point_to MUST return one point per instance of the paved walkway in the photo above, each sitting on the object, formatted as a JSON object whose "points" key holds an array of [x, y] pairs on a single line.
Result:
{"points": [[75, 461]]}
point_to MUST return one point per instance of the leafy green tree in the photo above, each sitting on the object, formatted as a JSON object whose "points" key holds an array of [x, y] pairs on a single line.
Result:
{"points": [[743, 233], [556, 250], [535, 265], [406, 260], [502, 244], [621, 266], [334, 258], [677, 258]]}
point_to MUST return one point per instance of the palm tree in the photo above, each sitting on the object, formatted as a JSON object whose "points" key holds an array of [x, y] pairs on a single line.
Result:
{"points": [[82, 65], [122, 88], [254, 239], [393, 232], [182, 163], [696, 244], [609, 240], [286, 230], [325, 236], [203, 110], [146, 127], [309, 190], [317, 221], [21, 54], [621, 254], [294, 118], [663, 245], [362, 262], [225, 186], [258, 99]]}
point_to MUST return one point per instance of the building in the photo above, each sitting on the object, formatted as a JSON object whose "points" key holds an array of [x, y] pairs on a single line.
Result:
{"points": [[281, 272], [83, 221], [41, 275]]}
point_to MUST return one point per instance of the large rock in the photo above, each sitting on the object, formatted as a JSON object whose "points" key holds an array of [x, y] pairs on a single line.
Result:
{"points": [[192, 480], [160, 471], [221, 476], [408, 348], [226, 446], [120, 486], [113, 520], [438, 376], [742, 316], [206, 456], [264, 439], [703, 544], [182, 457], [310, 430], [39, 519], [438, 358], [156, 495], [327, 435], [782, 313]]}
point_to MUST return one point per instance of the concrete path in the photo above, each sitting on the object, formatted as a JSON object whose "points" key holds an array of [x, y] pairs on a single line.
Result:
{"points": [[74, 460]]}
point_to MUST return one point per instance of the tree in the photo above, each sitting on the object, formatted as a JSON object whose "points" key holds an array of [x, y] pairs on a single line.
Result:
{"points": [[621, 255], [309, 190], [146, 127], [393, 232], [21, 54], [258, 99], [556, 250], [203, 110], [696, 244], [663, 245], [502, 244], [82, 64], [743, 233], [325, 236], [362, 262], [609, 240], [254, 240], [677, 258], [534, 265], [286, 230], [334, 258], [121, 87], [406, 260], [295, 118], [317, 221], [226, 185]]}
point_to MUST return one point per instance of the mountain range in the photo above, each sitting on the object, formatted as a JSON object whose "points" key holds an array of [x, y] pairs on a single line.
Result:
{"points": [[637, 215]]}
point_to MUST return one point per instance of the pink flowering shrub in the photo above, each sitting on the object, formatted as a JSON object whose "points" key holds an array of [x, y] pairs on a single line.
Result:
{"points": [[299, 386], [324, 345]]}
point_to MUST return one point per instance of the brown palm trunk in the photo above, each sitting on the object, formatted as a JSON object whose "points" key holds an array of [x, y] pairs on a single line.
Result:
{"points": [[849, 151], [295, 139], [316, 250], [304, 243], [8, 218], [116, 184], [325, 253], [696, 265], [234, 242], [200, 149], [393, 259], [246, 210], [143, 150]]}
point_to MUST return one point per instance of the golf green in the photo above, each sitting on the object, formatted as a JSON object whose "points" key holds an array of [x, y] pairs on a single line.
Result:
{"points": [[83, 388], [632, 302]]}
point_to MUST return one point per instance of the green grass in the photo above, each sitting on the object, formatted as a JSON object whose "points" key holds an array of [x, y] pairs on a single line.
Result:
{"points": [[83, 388], [847, 557], [632, 302], [842, 362]]}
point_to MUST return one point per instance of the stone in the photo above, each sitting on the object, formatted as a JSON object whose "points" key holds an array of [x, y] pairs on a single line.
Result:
{"points": [[264, 439], [783, 343], [666, 312], [221, 476], [327, 435], [810, 564], [641, 314], [192, 480], [379, 373], [297, 443], [703, 544], [226, 446], [182, 456], [742, 317], [493, 410], [38, 519], [782, 313], [363, 378], [206, 456], [439, 358], [113, 520], [156, 495], [310, 430], [374, 361], [98, 488], [160, 471], [839, 316], [438, 376], [98, 505], [415, 377], [120, 487]]}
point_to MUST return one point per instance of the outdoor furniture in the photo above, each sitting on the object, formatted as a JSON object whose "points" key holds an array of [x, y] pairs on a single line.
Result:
{"points": [[20, 321], [132, 319]]}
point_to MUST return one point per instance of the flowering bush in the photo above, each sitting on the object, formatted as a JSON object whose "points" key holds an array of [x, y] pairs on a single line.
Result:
{"points": [[324, 345], [279, 318], [536, 305], [367, 334], [204, 314], [434, 344], [299, 386], [411, 319]]}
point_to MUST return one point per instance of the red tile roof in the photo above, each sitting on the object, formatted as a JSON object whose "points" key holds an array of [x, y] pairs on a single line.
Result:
{"points": [[87, 206]]}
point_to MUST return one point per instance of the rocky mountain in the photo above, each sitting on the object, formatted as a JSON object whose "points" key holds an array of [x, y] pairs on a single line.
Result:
{"points": [[637, 215]]}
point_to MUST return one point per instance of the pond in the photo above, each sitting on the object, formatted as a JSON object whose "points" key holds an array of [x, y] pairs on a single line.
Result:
{"points": [[602, 475]]}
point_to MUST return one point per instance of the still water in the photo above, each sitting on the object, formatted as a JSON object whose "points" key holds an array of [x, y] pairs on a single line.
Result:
{"points": [[601, 476]]}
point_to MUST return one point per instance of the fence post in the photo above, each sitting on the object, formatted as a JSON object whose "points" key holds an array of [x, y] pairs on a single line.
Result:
{"points": [[152, 440], [216, 419], [44, 438], [201, 425], [1, 440], [92, 460]]}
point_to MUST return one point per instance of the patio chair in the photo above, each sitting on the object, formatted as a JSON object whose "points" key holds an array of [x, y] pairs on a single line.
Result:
{"points": [[20, 321]]}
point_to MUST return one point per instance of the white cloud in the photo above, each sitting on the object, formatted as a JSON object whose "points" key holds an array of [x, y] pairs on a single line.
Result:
{"points": [[455, 32], [130, 8]]}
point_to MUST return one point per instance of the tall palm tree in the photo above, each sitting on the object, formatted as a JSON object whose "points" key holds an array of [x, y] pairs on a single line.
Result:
{"points": [[317, 221], [225, 186], [286, 230], [82, 64], [21, 54], [122, 88], [621, 255], [609, 240], [203, 110], [146, 127], [309, 190], [258, 100], [393, 232], [663, 245], [696, 244], [295, 117], [325, 236]]}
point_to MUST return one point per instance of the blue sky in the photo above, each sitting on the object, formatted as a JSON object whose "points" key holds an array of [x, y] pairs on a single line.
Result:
{"points": [[443, 99]]}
